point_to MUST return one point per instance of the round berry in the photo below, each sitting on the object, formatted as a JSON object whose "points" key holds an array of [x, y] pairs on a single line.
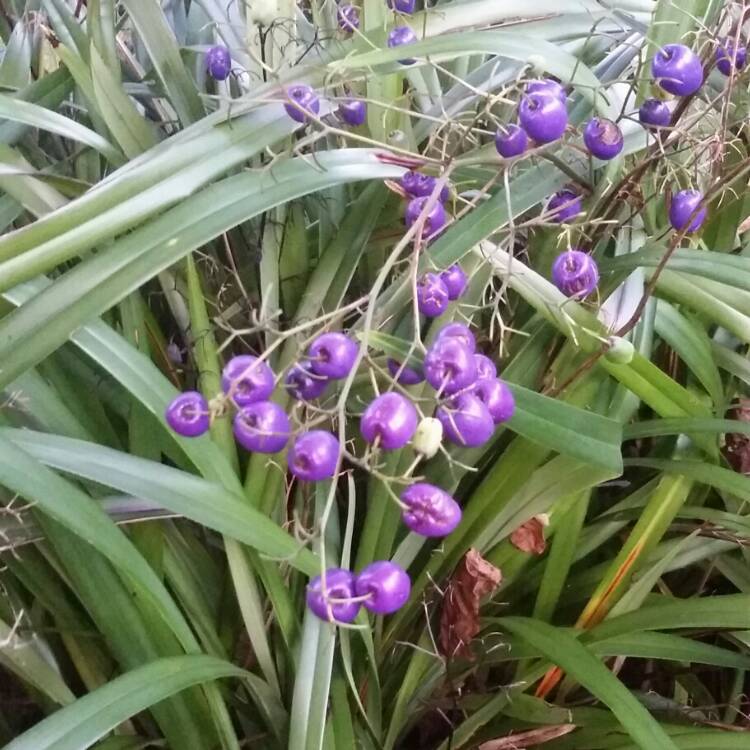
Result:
{"points": [[391, 419], [314, 456], [401, 36], [432, 295], [654, 113], [455, 280], [404, 374], [485, 367], [677, 69], [431, 511], [730, 56], [386, 586], [219, 62], [353, 111], [543, 117], [247, 380], [449, 366], [466, 420], [619, 350], [303, 384], [603, 138], [188, 414], [564, 205], [302, 101], [458, 331], [420, 185], [550, 87], [575, 273], [348, 17], [262, 427], [511, 140], [332, 355], [683, 207], [329, 601], [428, 437], [435, 220], [402, 6], [496, 396]]}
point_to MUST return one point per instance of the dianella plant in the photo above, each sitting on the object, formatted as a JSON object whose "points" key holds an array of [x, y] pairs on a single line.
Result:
{"points": [[374, 375]]}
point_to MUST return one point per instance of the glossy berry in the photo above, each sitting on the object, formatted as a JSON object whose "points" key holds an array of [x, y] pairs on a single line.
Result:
{"points": [[402, 6], [435, 220], [564, 205], [386, 586], [247, 380], [548, 86], [322, 600], [449, 366], [455, 281], [314, 455], [303, 384], [497, 397], [219, 62], [404, 374], [603, 138], [391, 419], [485, 367], [730, 57], [302, 101], [654, 113], [401, 36], [575, 273], [431, 511], [188, 415], [332, 355], [432, 295], [420, 185], [348, 17], [543, 117], [466, 420], [677, 69], [511, 140], [429, 437], [262, 427], [682, 207], [458, 331], [353, 111]]}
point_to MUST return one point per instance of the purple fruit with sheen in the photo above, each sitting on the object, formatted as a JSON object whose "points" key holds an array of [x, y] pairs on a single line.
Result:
{"points": [[543, 117], [188, 414], [314, 456], [219, 62], [328, 602], [332, 355], [404, 374], [677, 69], [348, 17], [386, 586], [684, 204], [449, 366], [432, 295], [466, 420], [402, 36], [458, 331], [353, 111], [247, 379], [420, 185], [511, 140], [430, 511], [654, 113], [485, 367], [497, 397], [550, 87], [603, 138], [302, 382], [301, 102], [730, 56], [564, 205], [455, 280], [435, 219], [391, 419], [262, 427], [575, 273], [402, 6]]}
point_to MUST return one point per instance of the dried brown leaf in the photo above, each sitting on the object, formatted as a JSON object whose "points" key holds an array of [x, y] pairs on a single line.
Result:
{"points": [[528, 739], [529, 537], [737, 447]]}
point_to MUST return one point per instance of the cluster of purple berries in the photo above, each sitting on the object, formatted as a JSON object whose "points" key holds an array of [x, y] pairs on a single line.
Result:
{"points": [[418, 188]]}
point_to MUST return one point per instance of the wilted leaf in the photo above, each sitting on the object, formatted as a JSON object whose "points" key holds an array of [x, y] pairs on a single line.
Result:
{"points": [[473, 579], [528, 739], [529, 537]]}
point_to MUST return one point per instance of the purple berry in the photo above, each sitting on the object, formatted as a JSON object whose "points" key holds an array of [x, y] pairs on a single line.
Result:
{"points": [[262, 427], [449, 366], [219, 62], [730, 56], [404, 374], [348, 17], [677, 69], [386, 586], [303, 384], [435, 220], [247, 380], [654, 113], [431, 511], [683, 205], [302, 101], [432, 295], [314, 455], [458, 331], [353, 111], [466, 420], [603, 138], [543, 117], [575, 273], [485, 367], [391, 419], [550, 87], [402, 6], [455, 280], [332, 355], [188, 414], [511, 140], [497, 397], [420, 185], [401, 36], [564, 205], [323, 600]]}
